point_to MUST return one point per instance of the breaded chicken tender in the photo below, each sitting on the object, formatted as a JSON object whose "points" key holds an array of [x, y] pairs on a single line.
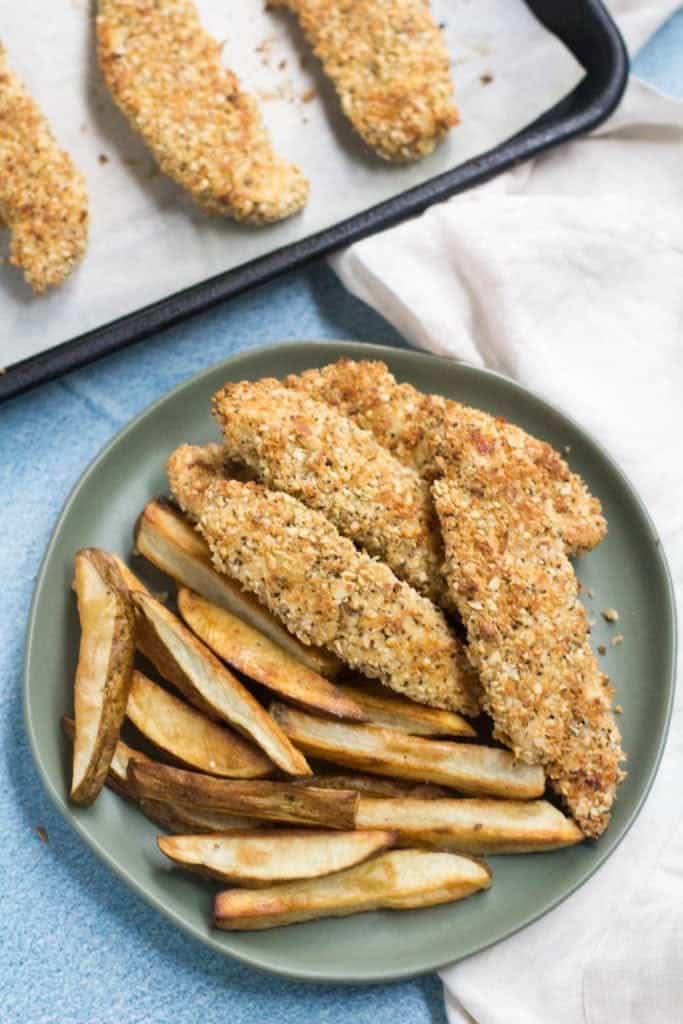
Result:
{"points": [[43, 200], [517, 593], [320, 586], [414, 426], [309, 450], [165, 74], [390, 67]]}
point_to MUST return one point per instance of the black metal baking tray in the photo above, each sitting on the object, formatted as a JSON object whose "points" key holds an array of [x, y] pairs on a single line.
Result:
{"points": [[585, 28]]}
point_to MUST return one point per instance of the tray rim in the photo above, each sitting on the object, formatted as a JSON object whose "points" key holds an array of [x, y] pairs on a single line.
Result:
{"points": [[586, 27], [363, 350]]}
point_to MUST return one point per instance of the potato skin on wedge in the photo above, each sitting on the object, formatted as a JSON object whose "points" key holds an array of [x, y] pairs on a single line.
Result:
{"points": [[267, 857], [375, 785], [117, 776], [167, 539], [181, 820], [398, 880], [265, 801], [104, 670], [189, 736]]}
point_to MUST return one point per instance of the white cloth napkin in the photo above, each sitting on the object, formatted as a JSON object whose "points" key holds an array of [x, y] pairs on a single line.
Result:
{"points": [[567, 274]]}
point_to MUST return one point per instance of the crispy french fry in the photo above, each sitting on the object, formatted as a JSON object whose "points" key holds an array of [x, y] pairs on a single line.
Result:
{"points": [[184, 661], [182, 820], [472, 826], [117, 776], [104, 671], [256, 656], [268, 801], [466, 767], [373, 785], [189, 736], [398, 880], [165, 538], [382, 707], [267, 857]]}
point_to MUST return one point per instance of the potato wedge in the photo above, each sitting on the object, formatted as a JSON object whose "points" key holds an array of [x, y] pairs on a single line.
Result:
{"points": [[104, 670], [373, 785], [398, 880], [174, 818], [382, 707], [481, 771], [166, 538], [259, 658], [472, 826], [183, 660], [182, 820], [268, 801], [269, 856], [117, 776], [189, 736]]}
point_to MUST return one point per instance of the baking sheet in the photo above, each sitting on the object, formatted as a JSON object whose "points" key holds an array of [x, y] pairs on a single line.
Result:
{"points": [[147, 238]]}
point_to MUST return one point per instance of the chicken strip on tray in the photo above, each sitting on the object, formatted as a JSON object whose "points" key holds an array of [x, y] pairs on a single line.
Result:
{"points": [[309, 450], [390, 67], [413, 427], [43, 200], [517, 593], [165, 74], [322, 588]]}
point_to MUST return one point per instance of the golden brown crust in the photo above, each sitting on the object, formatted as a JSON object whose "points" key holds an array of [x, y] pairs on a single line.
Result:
{"points": [[517, 593], [413, 427], [390, 67], [323, 589], [165, 73], [43, 200], [309, 450]]}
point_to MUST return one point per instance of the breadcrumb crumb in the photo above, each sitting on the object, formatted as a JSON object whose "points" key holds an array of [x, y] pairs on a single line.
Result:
{"points": [[390, 67], [610, 615], [165, 73], [43, 199]]}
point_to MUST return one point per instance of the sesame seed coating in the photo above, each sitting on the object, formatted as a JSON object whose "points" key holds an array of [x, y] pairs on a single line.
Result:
{"points": [[43, 200], [517, 593], [323, 589], [165, 74], [390, 67], [413, 427], [311, 451]]}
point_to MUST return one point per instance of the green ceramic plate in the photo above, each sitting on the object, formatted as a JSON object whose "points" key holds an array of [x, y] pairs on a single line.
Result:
{"points": [[628, 571]]}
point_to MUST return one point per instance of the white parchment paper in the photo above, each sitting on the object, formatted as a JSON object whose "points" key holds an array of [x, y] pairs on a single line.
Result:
{"points": [[147, 238]]}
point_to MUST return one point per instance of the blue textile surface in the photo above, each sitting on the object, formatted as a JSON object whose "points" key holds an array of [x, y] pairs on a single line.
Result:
{"points": [[77, 946]]}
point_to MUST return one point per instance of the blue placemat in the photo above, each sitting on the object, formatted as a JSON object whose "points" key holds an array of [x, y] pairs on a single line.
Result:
{"points": [[77, 946]]}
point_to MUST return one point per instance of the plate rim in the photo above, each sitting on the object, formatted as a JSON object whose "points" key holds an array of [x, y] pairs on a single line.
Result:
{"points": [[365, 350]]}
